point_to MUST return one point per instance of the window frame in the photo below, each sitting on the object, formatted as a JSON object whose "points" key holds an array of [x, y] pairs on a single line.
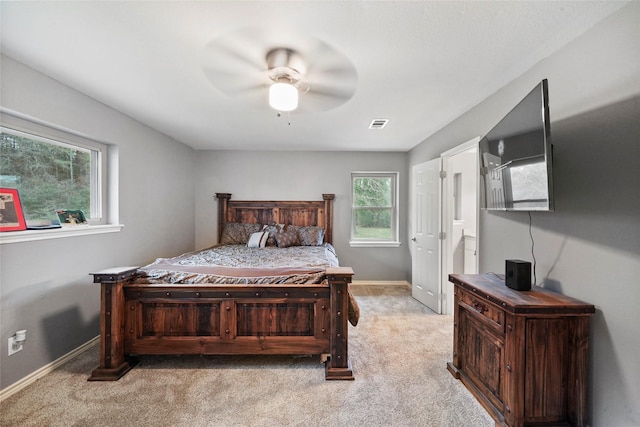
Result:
{"points": [[394, 240], [99, 222]]}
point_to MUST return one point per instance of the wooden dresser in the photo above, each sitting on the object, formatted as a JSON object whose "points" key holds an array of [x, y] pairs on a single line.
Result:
{"points": [[522, 354]]}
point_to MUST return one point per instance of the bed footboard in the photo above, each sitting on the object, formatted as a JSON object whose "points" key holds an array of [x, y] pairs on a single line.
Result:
{"points": [[138, 319]]}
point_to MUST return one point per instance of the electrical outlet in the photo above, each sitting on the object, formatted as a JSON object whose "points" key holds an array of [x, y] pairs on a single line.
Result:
{"points": [[13, 348]]}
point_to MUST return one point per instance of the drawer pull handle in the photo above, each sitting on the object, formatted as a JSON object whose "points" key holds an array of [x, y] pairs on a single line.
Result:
{"points": [[479, 307]]}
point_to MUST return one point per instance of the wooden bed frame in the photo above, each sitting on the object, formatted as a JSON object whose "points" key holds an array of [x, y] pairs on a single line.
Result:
{"points": [[144, 319]]}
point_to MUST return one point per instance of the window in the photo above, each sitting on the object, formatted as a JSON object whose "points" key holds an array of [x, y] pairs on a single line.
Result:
{"points": [[52, 169], [374, 218], [457, 197]]}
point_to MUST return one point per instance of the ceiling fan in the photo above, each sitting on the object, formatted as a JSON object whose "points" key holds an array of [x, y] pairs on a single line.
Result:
{"points": [[262, 69]]}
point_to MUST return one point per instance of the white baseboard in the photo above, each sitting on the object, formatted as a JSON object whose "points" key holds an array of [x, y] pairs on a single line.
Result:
{"points": [[34, 376], [382, 283]]}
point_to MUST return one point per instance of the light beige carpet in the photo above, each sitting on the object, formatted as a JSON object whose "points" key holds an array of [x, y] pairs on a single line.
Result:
{"points": [[398, 353]]}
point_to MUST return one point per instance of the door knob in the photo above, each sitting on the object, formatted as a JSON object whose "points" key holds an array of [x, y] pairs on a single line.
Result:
{"points": [[413, 240]]}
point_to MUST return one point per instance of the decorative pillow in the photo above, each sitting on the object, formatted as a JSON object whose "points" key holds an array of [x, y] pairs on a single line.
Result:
{"points": [[310, 235], [287, 238], [235, 233], [272, 229], [258, 240]]}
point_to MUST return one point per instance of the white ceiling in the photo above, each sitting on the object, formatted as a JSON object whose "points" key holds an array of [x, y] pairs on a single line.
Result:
{"points": [[419, 64]]}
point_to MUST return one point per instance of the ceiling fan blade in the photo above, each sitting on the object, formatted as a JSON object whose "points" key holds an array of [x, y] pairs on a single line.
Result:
{"points": [[331, 77], [230, 83], [324, 98], [228, 57], [316, 102], [234, 62], [335, 72], [322, 58], [341, 92]]}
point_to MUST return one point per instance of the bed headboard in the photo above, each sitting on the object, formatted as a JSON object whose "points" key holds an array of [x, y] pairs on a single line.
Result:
{"points": [[294, 212]]}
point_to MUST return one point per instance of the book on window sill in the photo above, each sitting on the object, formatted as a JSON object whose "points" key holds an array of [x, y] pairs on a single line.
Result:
{"points": [[43, 224], [43, 227]]}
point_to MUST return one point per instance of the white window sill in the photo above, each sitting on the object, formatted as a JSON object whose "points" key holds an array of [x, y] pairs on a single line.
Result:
{"points": [[374, 244], [80, 230]]}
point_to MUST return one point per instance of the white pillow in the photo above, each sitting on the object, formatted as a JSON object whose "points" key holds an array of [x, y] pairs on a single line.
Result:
{"points": [[258, 240]]}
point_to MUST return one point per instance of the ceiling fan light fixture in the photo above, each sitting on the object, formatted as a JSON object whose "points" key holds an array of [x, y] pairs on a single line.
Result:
{"points": [[283, 96]]}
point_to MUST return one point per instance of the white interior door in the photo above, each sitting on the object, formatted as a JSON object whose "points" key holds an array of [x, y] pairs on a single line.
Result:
{"points": [[459, 215], [425, 240]]}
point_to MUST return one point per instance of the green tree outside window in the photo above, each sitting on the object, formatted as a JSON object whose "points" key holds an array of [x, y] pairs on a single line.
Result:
{"points": [[373, 206], [47, 176]]}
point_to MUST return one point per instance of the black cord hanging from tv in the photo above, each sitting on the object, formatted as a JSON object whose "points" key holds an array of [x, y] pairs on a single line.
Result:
{"points": [[535, 280]]}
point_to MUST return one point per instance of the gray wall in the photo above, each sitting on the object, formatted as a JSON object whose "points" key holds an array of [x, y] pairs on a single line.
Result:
{"points": [[45, 286], [589, 248], [303, 176]]}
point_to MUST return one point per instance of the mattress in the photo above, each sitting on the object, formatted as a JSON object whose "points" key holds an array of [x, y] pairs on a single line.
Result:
{"points": [[239, 264], [242, 265]]}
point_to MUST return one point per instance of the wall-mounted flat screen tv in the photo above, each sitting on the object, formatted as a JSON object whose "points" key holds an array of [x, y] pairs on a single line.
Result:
{"points": [[516, 157]]}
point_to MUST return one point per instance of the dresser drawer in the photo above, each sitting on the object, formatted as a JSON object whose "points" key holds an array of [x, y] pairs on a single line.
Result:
{"points": [[492, 315]]}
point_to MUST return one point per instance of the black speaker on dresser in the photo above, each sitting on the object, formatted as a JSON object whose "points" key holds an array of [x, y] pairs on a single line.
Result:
{"points": [[518, 274]]}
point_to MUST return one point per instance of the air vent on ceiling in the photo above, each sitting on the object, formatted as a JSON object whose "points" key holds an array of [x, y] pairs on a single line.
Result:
{"points": [[378, 123]]}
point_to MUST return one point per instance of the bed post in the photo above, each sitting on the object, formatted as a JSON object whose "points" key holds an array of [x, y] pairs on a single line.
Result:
{"points": [[338, 366], [113, 362], [328, 217], [223, 200]]}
